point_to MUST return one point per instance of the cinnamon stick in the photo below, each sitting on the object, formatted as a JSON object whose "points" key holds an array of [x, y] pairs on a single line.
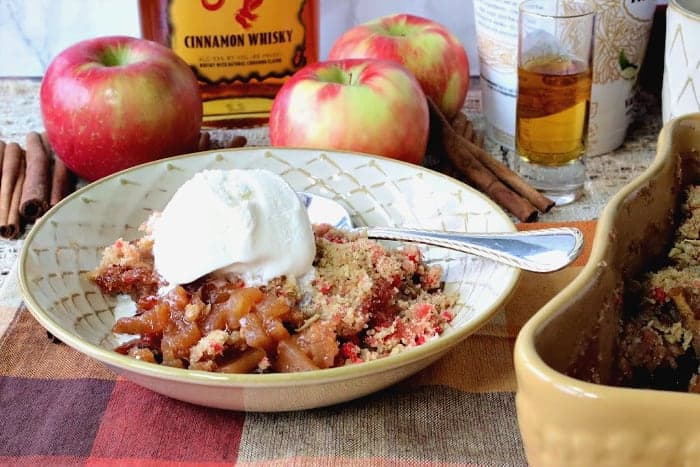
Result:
{"points": [[478, 139], [469, 132], [34, 199], [47, 145], [488, 183], [62, 182], [464, 127], [511, 178], [62, 179], [238, 141], [204, 141], [13, 228], [11, 190], [459, 123], [500, 170], [479, 175], [2, 152]]}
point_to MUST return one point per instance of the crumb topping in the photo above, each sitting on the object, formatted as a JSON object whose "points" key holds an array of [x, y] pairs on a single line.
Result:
{"points": [[362, 301], [659, 336]]}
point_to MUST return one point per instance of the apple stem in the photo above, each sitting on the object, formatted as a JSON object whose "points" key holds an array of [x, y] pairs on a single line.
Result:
{"points": [[115, 56]]}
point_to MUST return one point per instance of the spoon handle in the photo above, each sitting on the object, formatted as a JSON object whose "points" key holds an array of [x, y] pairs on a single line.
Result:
{"points": [[544, 250]]}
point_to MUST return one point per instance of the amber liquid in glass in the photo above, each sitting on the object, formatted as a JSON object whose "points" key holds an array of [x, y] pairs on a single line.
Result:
{"points": [[552, 110], [242, 51]]}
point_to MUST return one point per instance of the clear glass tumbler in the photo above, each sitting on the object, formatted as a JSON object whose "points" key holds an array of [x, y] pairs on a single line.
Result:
{"points": [[555, 56]]}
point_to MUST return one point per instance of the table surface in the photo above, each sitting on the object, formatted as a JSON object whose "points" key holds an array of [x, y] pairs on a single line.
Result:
{"points": [[460, 410]]}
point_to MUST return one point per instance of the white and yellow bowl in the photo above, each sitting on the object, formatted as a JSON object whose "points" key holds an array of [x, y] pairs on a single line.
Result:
{"points": [[67, 242]]}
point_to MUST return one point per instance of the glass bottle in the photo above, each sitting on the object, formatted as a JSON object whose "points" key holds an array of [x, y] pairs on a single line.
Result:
{"points": [[242, 51]]}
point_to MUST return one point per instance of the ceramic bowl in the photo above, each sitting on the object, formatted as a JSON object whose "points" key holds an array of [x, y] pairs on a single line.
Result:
{"points": [[568, 421], [67, 242], [680, 91]]}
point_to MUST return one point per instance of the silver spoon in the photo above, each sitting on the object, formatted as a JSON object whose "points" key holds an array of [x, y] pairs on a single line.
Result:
{"points": [[543, 250]]}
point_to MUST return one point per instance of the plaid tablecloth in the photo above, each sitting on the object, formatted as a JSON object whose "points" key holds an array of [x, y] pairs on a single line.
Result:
{"points": [[59, 407]]}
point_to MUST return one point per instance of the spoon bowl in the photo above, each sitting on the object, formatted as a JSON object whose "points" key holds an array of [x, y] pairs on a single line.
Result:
{"points": [[542, 250]]}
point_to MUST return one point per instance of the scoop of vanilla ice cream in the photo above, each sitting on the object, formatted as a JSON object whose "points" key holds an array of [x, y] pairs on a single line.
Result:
{"points": [[247, 222]]}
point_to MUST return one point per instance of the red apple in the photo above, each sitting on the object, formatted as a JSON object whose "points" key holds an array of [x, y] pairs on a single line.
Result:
{"points": [[365, 105], [426, 48], [114, 102]]}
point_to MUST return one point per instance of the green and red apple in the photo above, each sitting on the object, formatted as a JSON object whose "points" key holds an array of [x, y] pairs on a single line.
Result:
{"points": [[114, 102], [429, 50], [362, 105]]}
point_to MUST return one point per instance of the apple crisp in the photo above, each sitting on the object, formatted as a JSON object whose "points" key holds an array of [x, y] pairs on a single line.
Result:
{"points": [[361, 301], [659, 335]]}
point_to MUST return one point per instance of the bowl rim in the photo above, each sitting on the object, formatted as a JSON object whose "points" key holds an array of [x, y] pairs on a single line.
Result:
{"points": [[119, 362], [686, 9], [526, 358]]}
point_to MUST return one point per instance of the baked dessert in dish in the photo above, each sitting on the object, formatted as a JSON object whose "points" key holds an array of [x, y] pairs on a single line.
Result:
{"points": [[658, 345], [566, 355], [356, 301]]}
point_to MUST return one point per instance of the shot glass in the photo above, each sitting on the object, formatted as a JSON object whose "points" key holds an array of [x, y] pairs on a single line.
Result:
{"points": [[555, 56]]}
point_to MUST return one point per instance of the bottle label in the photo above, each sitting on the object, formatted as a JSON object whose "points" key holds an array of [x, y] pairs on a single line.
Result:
{"points": [[497, 38], [238, 40]]}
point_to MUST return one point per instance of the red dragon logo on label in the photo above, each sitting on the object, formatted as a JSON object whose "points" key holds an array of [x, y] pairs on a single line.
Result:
{"points": [[244, 15]]}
